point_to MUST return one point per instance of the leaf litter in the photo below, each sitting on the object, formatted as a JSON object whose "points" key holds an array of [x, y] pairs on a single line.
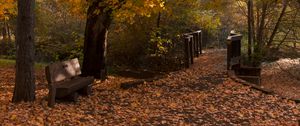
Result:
{"points": [[200, 95]]}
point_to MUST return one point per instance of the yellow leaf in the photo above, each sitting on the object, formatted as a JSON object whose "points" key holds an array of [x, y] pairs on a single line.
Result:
{"points": [[13, 117]]}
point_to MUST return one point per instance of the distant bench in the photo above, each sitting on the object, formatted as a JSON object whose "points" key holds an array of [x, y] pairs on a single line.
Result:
{"points": [[64, 81]]}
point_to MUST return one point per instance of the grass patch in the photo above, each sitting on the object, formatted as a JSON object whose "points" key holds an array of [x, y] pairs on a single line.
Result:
{"points": [[11, 63], [7, 63]]}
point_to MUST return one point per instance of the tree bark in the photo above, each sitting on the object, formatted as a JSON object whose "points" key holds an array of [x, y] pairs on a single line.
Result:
{"points": [[25, 80], [96, 41], [261, 27], [158, 20], [258, 9], [4, 32], [8, 32], [250, 28]]}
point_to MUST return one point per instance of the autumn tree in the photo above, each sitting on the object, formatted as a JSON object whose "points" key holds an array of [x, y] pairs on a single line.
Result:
{"points": [[25, 79], [99, 17], [98, 21], [7, 12]]}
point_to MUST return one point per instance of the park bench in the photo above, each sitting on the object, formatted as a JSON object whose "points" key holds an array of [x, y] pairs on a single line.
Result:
{"points": [[65, 82]]}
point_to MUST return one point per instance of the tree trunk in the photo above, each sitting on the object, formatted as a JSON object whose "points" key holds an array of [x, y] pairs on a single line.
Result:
{"points": [[289, 29], [25, 81], [258, 9], [4, 32], [158, 20], [8, 32], [261, 27], [95, 41], [250, 28]]}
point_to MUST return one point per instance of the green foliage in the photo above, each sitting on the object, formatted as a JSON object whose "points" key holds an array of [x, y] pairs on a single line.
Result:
{"points": [[59, 33], [11, 63], [141, 43], [127, 42], [257, 58], [7, 63], [157, 45]]}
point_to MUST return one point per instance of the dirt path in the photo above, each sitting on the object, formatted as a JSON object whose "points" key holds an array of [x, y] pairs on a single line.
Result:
{"points": [[201, 95]]}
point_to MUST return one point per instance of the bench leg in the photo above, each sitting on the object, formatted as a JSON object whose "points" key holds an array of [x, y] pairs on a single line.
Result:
{"points": [[51, 96], [87, 90], [72, 97]]}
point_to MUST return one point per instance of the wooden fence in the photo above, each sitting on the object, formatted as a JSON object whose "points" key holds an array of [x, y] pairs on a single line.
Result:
{"points": [[248, 73], [192, 46], [233, 51]]}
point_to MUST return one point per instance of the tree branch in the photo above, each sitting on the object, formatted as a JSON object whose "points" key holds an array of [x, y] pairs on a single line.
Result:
{"points": [[285, 3]]}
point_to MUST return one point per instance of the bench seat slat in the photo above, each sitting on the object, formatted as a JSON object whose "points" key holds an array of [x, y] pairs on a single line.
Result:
{"points": [[67, 87]]}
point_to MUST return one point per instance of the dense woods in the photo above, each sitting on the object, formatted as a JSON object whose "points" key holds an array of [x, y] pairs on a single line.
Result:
{"points": [[144, 39]]}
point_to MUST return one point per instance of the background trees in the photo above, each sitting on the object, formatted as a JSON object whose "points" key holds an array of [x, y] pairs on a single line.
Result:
{"points": [[7, 15], [61, 26], [271, 24], [146, 33]]}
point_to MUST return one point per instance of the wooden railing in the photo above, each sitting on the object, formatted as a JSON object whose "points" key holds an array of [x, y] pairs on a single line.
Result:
{"points": [[234, 61], [192, 46], [233, 50]]}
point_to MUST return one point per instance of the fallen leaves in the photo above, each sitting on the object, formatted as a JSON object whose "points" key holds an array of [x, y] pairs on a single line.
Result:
{"points": [[282, 76], [201, 95]]}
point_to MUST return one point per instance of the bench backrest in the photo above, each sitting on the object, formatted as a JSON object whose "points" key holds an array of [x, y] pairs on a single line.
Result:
{"points": [[60, 71]]}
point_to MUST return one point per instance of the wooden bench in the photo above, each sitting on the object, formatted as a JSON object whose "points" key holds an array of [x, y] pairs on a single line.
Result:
{"points": [[64, 81]]}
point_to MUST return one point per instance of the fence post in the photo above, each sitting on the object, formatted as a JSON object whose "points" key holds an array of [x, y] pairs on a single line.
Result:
{"points": [[200, 41], [196, 41], [187, 51], [233, 51], [195, 44], [191, 49]]}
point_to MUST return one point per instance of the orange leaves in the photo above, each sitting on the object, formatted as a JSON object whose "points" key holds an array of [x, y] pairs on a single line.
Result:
{"points": [[74, 7], [133, 8], [7, 7]]}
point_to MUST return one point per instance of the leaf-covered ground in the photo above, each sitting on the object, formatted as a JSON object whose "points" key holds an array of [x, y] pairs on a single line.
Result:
{"points": [[201, 95], [283, 77]]}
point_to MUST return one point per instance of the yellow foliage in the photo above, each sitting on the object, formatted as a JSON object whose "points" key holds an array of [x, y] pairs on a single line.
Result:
{"points": [[124, 12], [132, 8], [7, 7], [75, 7]]}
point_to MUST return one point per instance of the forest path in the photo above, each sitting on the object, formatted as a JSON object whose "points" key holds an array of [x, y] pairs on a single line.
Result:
{"points": [[200, 95]]}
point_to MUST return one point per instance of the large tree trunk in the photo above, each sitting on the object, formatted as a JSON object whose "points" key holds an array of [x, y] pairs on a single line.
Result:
{"points": [[25, 80], [95, 41]]}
